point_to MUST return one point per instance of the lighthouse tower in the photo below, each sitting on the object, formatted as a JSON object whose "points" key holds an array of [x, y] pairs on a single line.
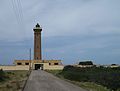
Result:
{"points": [[37, 42]]}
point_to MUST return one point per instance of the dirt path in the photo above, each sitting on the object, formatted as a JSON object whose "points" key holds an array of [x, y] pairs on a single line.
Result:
{"points": [[42, 81]]}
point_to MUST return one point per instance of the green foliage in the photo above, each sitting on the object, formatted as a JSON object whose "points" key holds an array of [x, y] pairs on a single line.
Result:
{"points": [[3, 75], [108, 77], [86, 63]]}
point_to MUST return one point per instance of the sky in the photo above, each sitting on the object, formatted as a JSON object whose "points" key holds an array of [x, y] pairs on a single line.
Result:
{"points": [[73, 30]]}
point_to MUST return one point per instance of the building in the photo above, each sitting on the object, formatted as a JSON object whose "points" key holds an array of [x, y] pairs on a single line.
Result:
{"points": [[84, 64], [40, 64], [37, 62]]}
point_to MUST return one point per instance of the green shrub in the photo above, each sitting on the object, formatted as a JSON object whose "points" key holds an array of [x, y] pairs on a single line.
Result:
{"points": [[2, 75], [108, 77]]}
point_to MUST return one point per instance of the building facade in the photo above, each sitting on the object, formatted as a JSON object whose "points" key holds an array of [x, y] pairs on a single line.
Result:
{"points": [[37, 62]]}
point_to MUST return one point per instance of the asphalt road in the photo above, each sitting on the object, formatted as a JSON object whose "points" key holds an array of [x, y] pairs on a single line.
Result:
{"points": [[42, 81]]}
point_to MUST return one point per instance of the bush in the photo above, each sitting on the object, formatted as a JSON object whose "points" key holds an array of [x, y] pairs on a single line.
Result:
{"points": [[108, 77], [2, 75]]}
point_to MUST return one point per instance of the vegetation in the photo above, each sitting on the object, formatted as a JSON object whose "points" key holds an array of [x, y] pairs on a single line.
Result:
{"points": [[12, 80], [2, 75], [108, 77], [95, 78], [89, 86]]}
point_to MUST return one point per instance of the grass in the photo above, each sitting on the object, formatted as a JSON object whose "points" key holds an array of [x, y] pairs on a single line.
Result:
{"points": [[15, 80], [54, 72], [89, 86]]}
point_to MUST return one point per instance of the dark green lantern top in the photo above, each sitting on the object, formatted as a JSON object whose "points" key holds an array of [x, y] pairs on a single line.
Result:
{"points": [[37, 28], [37, 25]]}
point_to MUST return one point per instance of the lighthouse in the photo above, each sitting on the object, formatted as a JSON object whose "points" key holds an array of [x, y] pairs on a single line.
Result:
{"points": [[37, 42]]}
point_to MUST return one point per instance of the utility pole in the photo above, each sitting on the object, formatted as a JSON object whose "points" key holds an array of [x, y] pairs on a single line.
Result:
{"points": [[30, 59]]}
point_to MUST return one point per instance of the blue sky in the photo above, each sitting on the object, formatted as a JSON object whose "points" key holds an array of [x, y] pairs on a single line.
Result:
{"points": [[73, 30]]}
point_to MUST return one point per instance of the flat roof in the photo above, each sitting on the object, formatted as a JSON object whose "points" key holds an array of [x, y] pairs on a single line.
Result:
{"points": [[38, 61]]}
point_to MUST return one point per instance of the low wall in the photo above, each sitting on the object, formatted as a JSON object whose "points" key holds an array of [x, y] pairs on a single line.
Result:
{"points": [[13, 67], [83, 66], [55, 67]]}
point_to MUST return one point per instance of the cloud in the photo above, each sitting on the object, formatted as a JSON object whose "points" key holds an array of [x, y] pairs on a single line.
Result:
{"points": [[100, 49], [84, 29], [60, 18]]}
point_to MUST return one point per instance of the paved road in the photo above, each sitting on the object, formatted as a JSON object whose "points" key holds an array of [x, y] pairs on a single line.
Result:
{"points": [[42, 81]]}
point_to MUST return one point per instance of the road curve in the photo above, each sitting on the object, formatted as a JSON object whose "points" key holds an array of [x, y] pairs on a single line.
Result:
{"points": [[43, 81]]}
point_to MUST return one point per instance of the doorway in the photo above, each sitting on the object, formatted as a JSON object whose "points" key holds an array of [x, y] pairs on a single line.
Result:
{"points": [[38, 66]]}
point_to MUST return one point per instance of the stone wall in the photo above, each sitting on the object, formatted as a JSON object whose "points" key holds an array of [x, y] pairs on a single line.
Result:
{"points": [[53, 67], [46, 66], [13, 67]]}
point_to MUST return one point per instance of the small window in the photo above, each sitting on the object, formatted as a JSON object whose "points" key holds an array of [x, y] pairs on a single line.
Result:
{"points": [[49, 63], [19, 63], [55, 63], [26, 63], [37, 57]]}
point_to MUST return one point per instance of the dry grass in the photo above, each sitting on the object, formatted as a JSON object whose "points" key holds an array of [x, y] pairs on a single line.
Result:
{"points": [[90, 86], [15, 81]]}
